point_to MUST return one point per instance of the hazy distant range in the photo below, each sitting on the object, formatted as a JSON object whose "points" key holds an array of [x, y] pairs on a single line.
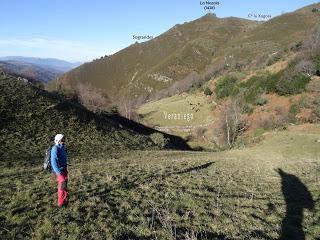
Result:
{"points": [[36, 69]]}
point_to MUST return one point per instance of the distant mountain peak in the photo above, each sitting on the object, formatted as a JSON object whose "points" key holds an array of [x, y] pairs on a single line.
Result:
{"points": [[194, 46], [208, 17]]}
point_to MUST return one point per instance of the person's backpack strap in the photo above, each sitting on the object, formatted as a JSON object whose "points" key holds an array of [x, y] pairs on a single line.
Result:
{"points": [[47, 160]]}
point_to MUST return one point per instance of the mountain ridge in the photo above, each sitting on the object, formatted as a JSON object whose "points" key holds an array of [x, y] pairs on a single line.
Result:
{"points": [[186, 53], [58, 64], [37, 70], [174, 41]]}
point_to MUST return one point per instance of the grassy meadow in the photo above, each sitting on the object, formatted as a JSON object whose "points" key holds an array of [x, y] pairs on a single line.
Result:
{"points": [[269, 191], [152, 113]]}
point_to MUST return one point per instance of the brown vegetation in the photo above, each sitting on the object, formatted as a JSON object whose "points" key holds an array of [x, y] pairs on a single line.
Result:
{"points": [[92, 98], [231, 124]]}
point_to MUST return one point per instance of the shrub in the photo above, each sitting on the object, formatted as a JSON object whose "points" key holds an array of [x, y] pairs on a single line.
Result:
{"points": [[274, 123], [251, 94], [297, 46], [257, 85], [317, 111], [252, 89], [208, 91], [292, 83], [311, 49], [280, 110], [271, 81], [293, 111], [247, 108], [267, 123], [261, 101], [306, 67], [316, 62], [115, 109], [159, 139], [199, 131], [226, 86], [316, 103], [256, 136], [272, 60]]}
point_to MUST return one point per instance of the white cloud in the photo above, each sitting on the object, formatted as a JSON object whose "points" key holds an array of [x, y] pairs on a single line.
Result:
{"points": [[50, 48]]}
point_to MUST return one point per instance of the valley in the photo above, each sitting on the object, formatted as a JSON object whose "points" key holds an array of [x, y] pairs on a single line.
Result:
{"points": [[200, 128]]}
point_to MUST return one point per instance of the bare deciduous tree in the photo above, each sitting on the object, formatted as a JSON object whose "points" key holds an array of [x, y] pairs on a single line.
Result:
{"points": [[231, 122], [311, 45], [306, 67], [92, 98], [184, 84]]}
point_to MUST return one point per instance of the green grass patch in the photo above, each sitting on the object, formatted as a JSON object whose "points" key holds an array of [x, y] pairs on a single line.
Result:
{"points": [[226, 86], [293, 84], [153, 113], [168, 194]]}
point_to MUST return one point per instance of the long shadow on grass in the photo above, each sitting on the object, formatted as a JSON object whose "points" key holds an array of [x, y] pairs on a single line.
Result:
{"points": [[128, 184], [125, 184], [195, 169], [297, 197]]}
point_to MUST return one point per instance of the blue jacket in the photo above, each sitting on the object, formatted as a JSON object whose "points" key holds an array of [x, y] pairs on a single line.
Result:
{"points": [[58, 159]]}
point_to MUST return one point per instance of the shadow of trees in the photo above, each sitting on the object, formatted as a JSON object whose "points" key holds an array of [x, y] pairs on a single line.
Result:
{"points": [[298, 198]]}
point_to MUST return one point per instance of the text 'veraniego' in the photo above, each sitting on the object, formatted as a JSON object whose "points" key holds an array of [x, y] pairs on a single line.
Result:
{"points": [[178, 116]]}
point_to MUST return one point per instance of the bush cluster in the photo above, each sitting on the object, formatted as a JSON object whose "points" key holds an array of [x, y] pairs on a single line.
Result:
{"points": [[288, 82], [159, 139], [226, 86]]}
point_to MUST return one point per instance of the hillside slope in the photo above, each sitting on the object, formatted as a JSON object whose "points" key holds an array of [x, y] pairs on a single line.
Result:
{"points": [[32, 72], [187, 50], [52, 63], [143, 68], [30, 117], [278, 34]]}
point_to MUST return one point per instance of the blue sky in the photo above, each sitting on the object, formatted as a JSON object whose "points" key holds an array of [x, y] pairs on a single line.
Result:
{"points": [[80, 30]]}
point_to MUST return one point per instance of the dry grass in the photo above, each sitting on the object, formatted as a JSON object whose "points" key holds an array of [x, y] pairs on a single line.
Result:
{"points": [[167, 194]]}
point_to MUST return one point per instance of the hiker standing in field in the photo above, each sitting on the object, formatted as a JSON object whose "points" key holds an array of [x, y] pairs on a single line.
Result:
{"points": [[59, 167]]}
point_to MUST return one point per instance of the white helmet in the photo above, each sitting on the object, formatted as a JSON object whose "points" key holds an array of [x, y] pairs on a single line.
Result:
{"points": [[58, 138]]}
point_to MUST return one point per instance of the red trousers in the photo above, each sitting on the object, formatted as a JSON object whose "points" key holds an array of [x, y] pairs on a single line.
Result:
{"points": [[62, 180]]}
